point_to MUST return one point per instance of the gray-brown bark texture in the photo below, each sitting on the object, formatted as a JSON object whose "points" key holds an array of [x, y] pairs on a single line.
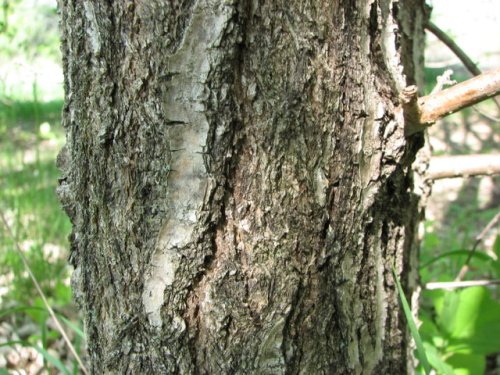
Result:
{"points": [[239, 183]]}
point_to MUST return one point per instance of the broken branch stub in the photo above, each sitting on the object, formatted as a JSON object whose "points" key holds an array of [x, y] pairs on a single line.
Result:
{"points": [[421, 113], [460, 96]]}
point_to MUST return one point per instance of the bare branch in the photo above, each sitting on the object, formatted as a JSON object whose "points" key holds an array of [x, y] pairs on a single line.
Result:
{"points": [[459, 96], [460, 284], [463, 166], [433, 107], [464, 58], [479, 238], [436, 105]]}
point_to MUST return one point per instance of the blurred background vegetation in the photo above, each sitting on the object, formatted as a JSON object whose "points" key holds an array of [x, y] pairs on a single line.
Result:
{"points": [[460, 328], [31, 98]]}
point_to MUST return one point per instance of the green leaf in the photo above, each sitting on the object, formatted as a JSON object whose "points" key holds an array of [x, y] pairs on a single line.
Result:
{"points": [[430, 332], [427, 327], [39, 314], [447, 309], [496, 246], [467, 364], [437, 296], [436, 361], [470, 320], [412, 326], [62, 293]]}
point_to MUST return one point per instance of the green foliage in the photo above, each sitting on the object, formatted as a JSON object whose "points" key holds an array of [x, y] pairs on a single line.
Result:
{"points": [[30, 55], [29, 28], [39, 314], [30, 137], [435, 359], [443, 252], [459, 327], [27, 193], [28, 178], [48, 273], [27, 115], [464, 327]]}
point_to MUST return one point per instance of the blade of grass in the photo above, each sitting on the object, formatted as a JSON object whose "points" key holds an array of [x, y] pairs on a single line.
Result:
{"points": [[74, 327], [43, 328], [74, 362], [42, 295], [412, 326]]}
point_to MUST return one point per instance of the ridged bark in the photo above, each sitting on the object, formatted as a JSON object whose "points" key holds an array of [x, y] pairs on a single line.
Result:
{"points": [[239, 185]]}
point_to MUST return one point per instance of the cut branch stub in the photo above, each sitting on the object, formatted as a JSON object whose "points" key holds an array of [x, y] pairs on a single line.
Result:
{"points": [[411, 110], [459, 96], [432, 107]]}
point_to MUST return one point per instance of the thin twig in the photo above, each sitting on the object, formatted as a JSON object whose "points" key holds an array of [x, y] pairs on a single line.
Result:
{"points": [[460, 284], [486, 115], [411, 110], [479, 238], [463, 57], [443, 80], [42, 295]]}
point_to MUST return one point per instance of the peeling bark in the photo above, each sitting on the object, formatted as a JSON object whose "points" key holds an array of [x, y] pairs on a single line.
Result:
{"points": [[239, 183]]}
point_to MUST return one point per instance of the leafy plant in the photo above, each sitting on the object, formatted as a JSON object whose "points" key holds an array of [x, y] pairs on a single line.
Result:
{"points": [[460, 327], [462, 330]]}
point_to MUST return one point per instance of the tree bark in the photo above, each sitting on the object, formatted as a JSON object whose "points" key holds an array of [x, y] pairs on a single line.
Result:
{"points": [[239, 184]]}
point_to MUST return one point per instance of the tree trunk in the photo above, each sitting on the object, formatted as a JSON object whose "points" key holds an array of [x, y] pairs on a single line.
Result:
{"points": [[239, 184]]}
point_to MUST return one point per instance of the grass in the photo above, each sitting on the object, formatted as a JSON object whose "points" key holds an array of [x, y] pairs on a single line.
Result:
{"points": [[28, 174], [30, 137]]}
